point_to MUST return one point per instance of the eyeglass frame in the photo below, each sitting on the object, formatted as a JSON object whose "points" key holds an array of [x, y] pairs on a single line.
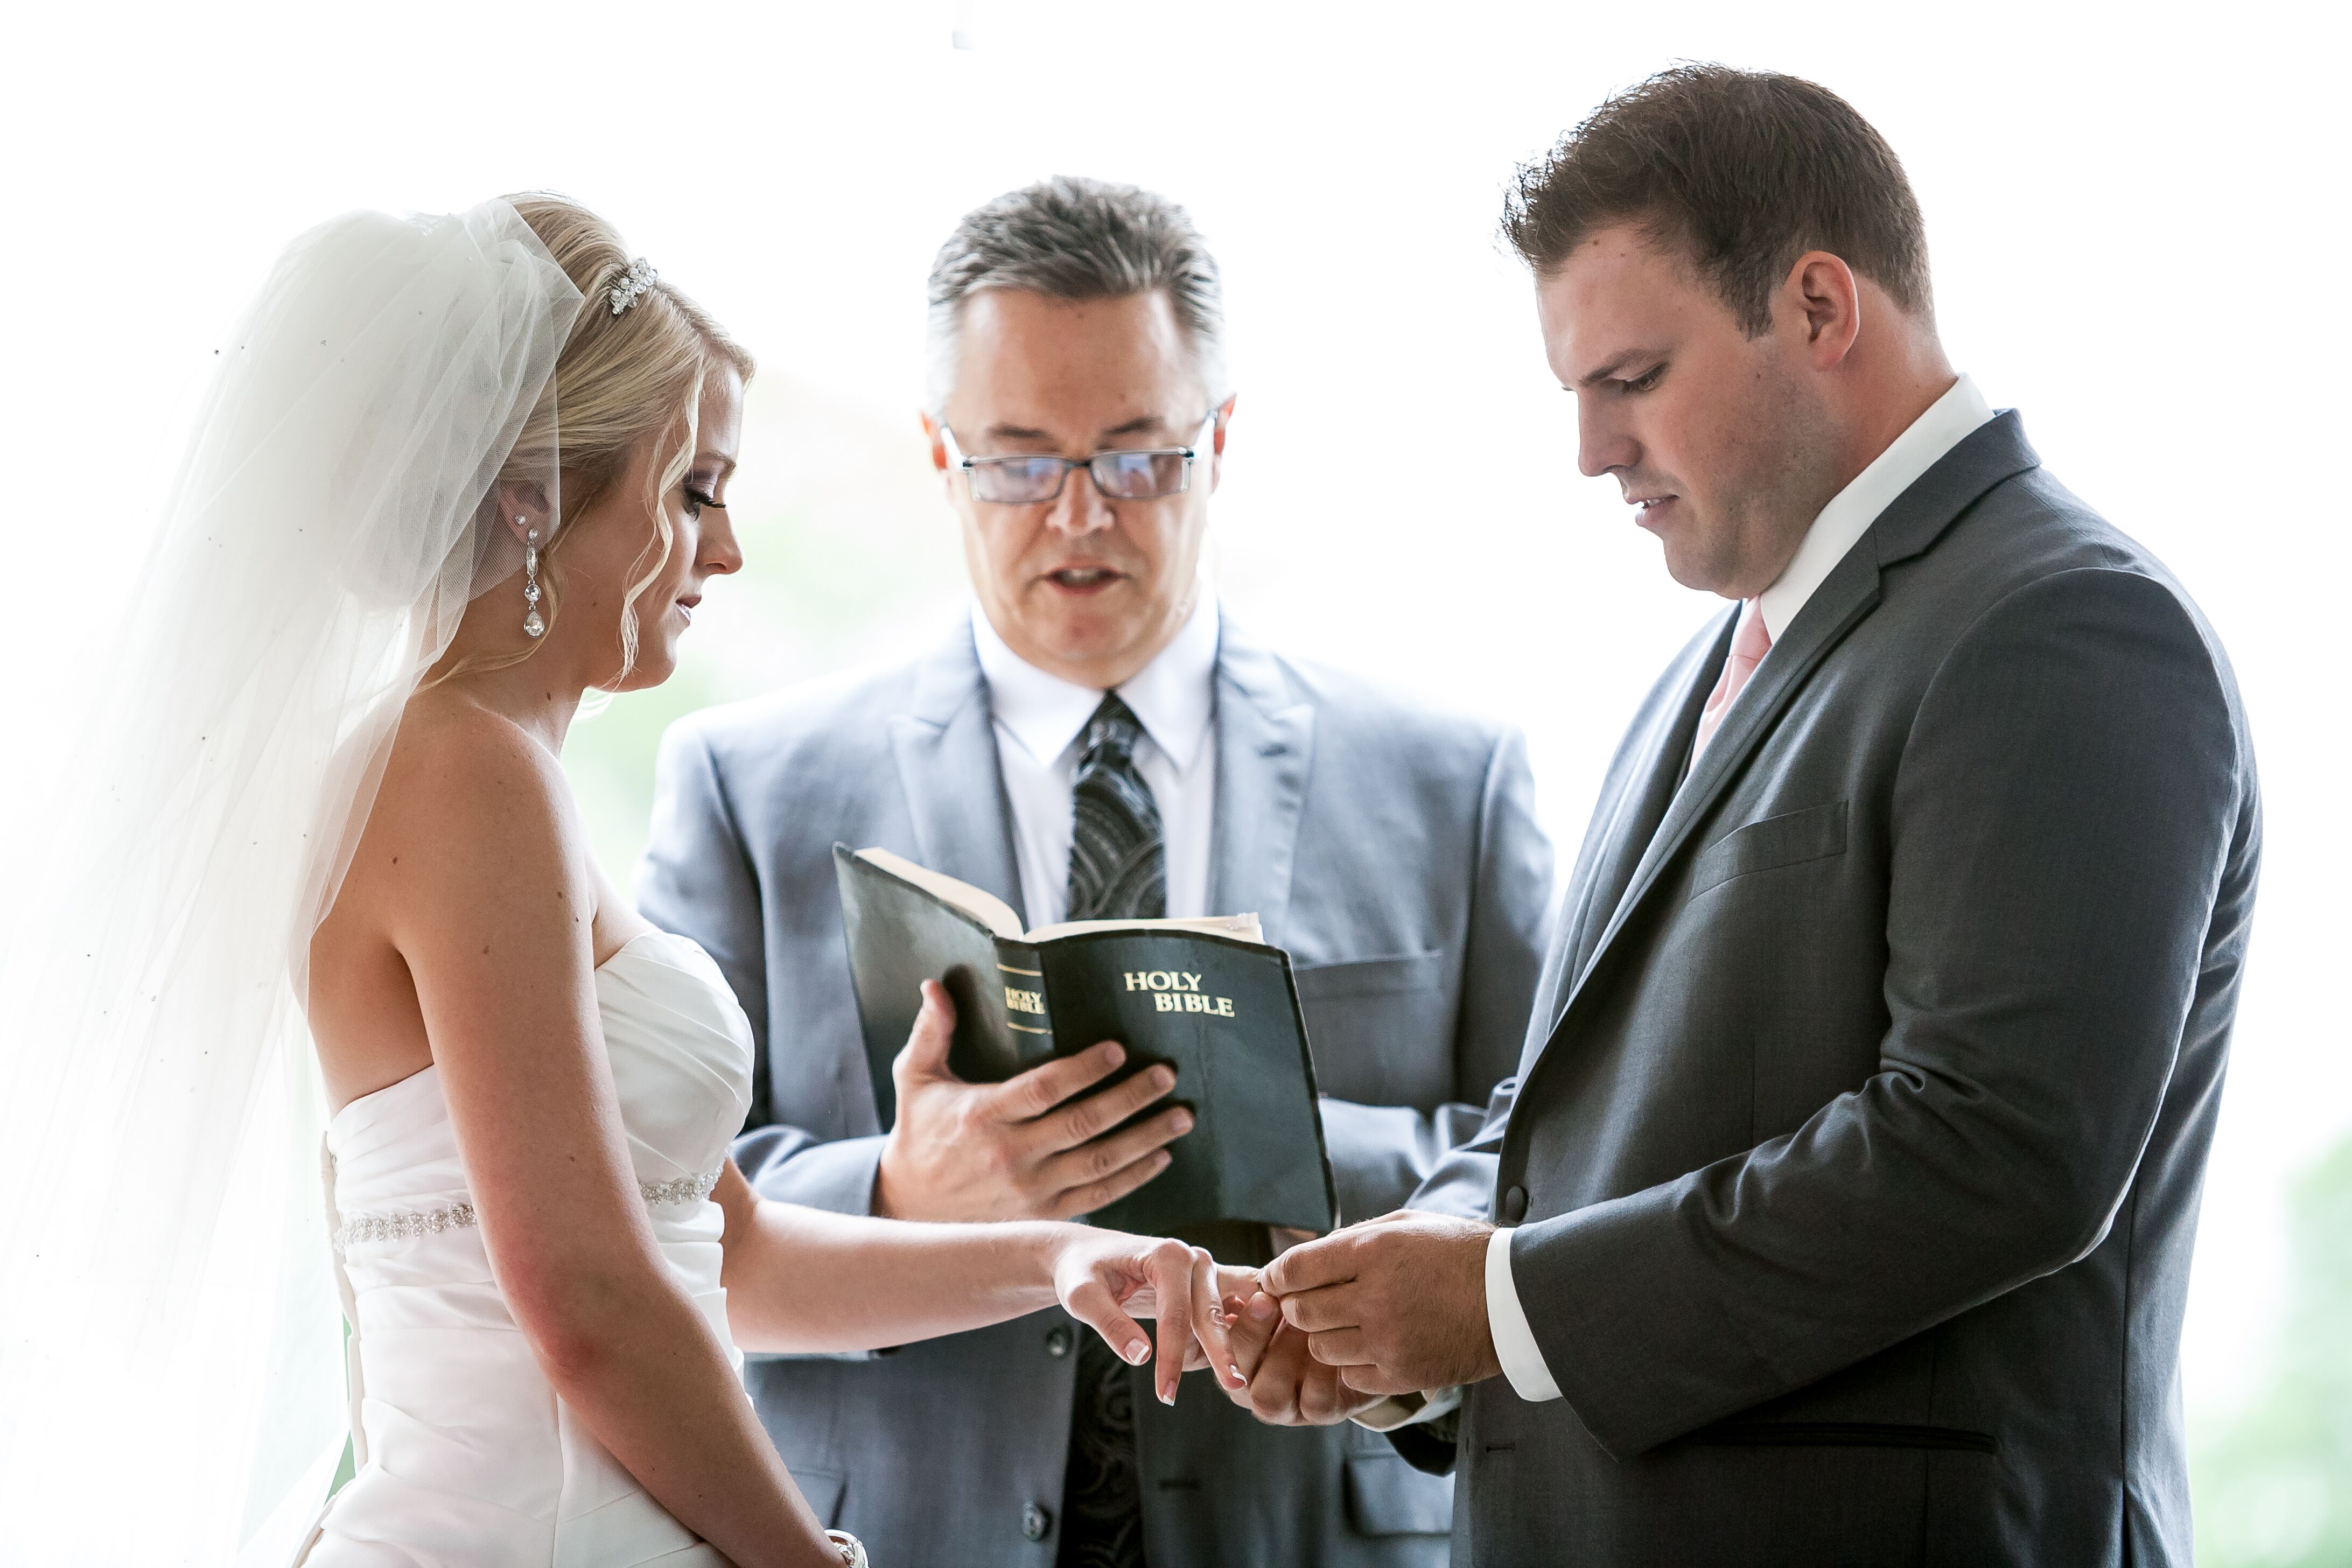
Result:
{"points": [[954, 451]]}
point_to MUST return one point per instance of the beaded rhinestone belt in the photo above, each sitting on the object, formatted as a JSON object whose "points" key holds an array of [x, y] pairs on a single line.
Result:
{"points": [[409, 1225]]}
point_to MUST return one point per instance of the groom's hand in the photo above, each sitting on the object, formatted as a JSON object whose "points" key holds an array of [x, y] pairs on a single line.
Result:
{"points": [[1396, 1305], [1023, 1149], [1285, 1385]]}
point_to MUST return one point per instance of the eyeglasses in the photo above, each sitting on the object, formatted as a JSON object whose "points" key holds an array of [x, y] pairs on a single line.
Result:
{"points": [[1034, 478]]}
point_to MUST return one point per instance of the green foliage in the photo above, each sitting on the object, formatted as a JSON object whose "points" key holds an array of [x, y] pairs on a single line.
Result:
{"points": [[2273, 1487], [609, 758]]}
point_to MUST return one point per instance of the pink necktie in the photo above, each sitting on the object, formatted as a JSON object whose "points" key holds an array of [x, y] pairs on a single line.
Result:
{"points": [[1750, 643]]}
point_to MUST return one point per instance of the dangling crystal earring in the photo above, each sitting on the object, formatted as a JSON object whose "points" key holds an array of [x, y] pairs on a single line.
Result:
{"points": [[532, 625]]}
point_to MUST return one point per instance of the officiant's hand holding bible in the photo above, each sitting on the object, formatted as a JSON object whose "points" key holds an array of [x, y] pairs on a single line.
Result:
{"points": [[1032, 1147]]}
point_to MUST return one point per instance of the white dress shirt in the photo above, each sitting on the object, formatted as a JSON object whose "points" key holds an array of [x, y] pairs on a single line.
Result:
{"points": [[1040, 720], [1839, 526]]}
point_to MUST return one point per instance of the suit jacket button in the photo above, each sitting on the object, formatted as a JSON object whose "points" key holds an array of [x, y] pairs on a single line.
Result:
{"points": [[1057, 1341], [1036, 1521], [1514, 1205]]}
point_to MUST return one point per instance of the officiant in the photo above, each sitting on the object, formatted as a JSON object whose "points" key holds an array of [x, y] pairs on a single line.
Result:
{"points": [[1100, 740]]}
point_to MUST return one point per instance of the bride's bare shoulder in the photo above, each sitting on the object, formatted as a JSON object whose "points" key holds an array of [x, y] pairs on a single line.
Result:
{"points": [[467, 783]]}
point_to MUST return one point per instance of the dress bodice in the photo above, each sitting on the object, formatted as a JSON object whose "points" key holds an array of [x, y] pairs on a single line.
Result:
{"points": [[466, 1454], [681, 1057]]}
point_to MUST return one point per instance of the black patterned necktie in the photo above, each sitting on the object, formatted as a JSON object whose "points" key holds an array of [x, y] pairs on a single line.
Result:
{"points": [[1119, 861], [1119, 870]]}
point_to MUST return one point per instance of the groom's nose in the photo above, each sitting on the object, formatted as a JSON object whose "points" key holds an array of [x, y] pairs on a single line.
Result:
{"points": [[1604, 444]]}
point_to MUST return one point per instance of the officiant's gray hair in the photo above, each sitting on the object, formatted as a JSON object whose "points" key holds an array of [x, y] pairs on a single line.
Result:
{"points": [[1075, 238]]}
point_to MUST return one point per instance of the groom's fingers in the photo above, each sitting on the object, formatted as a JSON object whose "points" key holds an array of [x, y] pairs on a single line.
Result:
{"points": [[1367, 1379], [1325, 1399], [1275, 1388], [1341, 1347], [1332, 1306], [1254, 1322], [1303, 1267]]}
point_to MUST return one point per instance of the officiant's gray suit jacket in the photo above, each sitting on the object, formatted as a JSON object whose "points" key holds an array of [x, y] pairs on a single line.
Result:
{"points": [[1392, 850], [1855, 1150]]}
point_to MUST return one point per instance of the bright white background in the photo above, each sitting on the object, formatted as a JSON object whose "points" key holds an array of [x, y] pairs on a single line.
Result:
{"points": [[2137, 227]]}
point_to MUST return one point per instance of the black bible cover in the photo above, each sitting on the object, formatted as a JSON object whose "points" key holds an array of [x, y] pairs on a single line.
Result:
{"points": [[1202, 996]]}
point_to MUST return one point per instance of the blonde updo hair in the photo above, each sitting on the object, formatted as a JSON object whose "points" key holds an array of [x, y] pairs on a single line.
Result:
{"points": [[619, 380]]}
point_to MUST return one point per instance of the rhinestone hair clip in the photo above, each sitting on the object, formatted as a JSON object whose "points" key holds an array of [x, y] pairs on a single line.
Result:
{"points": [[633, 284]]}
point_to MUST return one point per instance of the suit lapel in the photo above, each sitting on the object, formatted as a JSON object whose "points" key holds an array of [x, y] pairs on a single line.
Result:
{"points": [[1266, 749], [1910, 525], [1628, 817], [945, 747], [1849, 593]]}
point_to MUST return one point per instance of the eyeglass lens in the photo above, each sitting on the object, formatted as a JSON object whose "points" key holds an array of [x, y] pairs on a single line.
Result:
{"points": [[1119, 476]]}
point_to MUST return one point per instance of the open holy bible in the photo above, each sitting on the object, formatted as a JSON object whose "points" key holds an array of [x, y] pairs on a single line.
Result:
{"points": [[1207, 996]]}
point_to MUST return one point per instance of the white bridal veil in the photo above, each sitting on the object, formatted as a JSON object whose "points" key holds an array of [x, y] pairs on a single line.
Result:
{"points": [[170, 1362]]}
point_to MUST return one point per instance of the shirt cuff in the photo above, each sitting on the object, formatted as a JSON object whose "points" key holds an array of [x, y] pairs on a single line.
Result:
{"points": [[1407, 1409], [1515, 1342]]}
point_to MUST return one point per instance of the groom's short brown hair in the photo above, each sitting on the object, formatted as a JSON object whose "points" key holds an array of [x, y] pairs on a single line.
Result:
{"points": [[1744, 171]]}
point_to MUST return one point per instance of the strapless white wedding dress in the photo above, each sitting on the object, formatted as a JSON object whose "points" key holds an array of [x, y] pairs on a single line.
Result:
{"points": [[467, 1456]]}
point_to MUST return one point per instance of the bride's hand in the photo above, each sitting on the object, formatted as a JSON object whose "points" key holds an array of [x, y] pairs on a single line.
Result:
{"points": [[1106, 1280]]}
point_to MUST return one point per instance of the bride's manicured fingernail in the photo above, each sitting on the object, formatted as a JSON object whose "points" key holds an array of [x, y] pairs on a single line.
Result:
{"points": [[1262, 1307], [1167, 1397], [1138, 1352]]}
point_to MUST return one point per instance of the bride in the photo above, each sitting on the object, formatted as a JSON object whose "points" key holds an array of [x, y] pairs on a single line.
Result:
{"points": [[455, 473]]}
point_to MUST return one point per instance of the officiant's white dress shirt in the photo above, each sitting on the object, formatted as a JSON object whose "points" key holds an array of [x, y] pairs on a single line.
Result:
{"points": [[1040, 720], [1837, 529]]}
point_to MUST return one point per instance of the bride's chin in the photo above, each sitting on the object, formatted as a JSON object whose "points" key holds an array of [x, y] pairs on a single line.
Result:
{"points": [[638, 679], [654, 665]]}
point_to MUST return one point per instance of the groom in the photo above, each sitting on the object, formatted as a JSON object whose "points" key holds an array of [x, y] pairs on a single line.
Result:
{"points": [[1845, 1194], [1078, 419]]}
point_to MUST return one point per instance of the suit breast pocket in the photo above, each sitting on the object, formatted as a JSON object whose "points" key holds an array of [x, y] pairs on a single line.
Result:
{"points": [[1816, 833], [1378, 1029]]}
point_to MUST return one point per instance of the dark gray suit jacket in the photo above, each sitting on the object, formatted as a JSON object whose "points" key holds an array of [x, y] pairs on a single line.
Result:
{"points": [[1393, 851], [1856, 1145]]}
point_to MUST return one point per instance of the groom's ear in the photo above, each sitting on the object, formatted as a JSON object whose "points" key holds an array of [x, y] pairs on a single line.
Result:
{"points": [[939, 448], [1825, 302]]}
